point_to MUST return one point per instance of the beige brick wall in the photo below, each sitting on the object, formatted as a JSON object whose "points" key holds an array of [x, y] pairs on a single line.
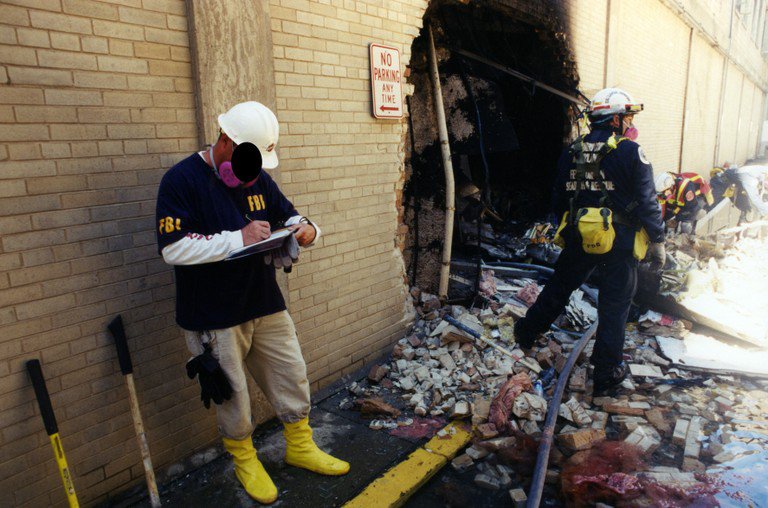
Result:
{"points": [[343, 168], [95, 103], [734, 83], [643, 47], [587, 36], [652, 68], [745, 149], [758, 117], [702, 106]]}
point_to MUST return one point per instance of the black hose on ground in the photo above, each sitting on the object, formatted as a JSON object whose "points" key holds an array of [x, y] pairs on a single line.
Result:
{"points": [[545, 444]]}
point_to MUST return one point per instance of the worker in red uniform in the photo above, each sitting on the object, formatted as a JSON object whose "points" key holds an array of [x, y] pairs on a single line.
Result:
{"points": [[684, 198]]}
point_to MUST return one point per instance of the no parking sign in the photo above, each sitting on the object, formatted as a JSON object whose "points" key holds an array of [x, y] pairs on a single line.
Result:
{"points": [[386, 90]]}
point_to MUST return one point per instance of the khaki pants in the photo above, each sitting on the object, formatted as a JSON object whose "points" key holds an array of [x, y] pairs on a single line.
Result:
{"points": [[269, 348]]}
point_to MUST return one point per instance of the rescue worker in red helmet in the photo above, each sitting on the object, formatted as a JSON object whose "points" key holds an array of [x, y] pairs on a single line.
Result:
{"points": [[604, 186], [684, 198]]}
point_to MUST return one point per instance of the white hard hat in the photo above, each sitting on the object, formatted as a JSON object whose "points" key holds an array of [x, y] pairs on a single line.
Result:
{"points": [[468, 190], [612, 101], [255, 123], [664, 181]]}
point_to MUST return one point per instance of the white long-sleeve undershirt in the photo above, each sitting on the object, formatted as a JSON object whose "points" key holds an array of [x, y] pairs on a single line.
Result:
{"points": [[195, 249]]}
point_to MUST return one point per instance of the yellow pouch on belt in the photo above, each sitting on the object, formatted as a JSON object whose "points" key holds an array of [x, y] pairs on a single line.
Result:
{"points": [[641, 244], [595, 226], [558, 239]]}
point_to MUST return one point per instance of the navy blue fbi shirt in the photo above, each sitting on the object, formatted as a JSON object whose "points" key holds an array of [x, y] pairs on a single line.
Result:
{"points": [[628, 178], [193, 203]]}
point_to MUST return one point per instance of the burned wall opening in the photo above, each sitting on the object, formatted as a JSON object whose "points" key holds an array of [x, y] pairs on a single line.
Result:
{"points": [[505, 132]]}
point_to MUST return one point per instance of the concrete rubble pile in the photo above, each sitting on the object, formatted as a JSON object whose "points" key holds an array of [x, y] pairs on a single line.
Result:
{"points": [[723, 278], [685, 425]]}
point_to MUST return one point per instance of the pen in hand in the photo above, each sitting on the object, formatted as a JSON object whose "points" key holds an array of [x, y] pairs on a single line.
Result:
{"points": [[255, 231]]}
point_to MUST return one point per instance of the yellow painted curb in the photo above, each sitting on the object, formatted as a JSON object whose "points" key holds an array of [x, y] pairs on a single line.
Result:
{"points": [[394, 487]]}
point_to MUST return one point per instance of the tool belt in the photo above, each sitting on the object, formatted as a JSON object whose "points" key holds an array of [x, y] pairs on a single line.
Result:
{"points": [[594, 237]]}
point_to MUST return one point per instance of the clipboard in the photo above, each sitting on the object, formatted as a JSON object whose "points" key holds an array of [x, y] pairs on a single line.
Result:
{"points": [[274, 241]]}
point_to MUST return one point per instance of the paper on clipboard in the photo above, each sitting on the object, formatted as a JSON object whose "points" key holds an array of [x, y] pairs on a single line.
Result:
{"points": [[274, 241]]}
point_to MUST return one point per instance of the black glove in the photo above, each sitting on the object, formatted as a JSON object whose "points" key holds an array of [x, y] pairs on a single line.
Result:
{"points": [[657, 255], [214, 384]]}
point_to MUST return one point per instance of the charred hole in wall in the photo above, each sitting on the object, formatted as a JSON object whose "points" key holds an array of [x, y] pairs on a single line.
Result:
{"points": [[505, 133]]}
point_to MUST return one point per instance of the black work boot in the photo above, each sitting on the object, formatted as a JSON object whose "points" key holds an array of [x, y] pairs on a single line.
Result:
{"points": [[525, 343], [608, 380]]}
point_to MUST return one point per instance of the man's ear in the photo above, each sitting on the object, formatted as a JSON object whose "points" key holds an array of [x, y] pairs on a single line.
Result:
{"points": [[615, 121]]}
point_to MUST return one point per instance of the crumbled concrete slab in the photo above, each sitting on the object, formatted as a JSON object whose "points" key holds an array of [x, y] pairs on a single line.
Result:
{"points": [[573, 411], [651, 371], [519, 498], [530, 407], [627, 424], [582, 439], [486, 431], [377, 373], [487, 482], [645, 438], [681, 430], [462, 462], [692, 444], [656, 418], [460, 409], [476, 453], [623, 408]]}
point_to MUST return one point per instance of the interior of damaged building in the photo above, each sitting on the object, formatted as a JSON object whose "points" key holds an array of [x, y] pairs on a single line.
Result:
{"points": [[505, 131]]}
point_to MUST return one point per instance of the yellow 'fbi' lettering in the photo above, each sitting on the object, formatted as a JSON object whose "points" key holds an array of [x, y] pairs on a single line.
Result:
{"points": [[169, 225], [256, 202]]}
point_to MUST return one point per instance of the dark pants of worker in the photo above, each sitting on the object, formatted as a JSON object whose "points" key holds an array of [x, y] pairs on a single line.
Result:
{"points": [[617, 285]]}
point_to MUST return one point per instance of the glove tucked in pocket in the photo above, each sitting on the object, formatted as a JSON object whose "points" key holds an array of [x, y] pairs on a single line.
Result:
{"points": [[214, 384]]}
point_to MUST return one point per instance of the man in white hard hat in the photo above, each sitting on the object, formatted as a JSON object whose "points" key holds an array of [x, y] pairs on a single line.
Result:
{"points": [[605, 170], [232, 311]]}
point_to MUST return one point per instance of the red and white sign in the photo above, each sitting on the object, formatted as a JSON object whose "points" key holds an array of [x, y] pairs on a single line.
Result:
{"points": [[386, 89]]}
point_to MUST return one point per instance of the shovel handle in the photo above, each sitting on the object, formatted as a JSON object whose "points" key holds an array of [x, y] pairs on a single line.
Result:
{"points": [[117, 330], [52, 429], [123, 355]]}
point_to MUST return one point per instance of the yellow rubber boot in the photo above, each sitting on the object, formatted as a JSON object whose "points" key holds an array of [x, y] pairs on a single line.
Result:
{"points": [[301, 451], [250, 472]]}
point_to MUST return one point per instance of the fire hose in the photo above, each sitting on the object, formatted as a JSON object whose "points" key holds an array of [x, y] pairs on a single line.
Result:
{"points": [[545, 444]]}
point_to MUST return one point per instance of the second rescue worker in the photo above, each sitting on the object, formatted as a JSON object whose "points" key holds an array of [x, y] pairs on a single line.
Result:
{"points": [[684, 198], [604, 191]]}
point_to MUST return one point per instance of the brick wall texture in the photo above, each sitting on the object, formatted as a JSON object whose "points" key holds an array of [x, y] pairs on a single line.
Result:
{"points": [[97, 100]]}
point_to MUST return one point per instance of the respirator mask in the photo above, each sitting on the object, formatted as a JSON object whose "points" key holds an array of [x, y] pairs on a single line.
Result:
{"points": [[244, 168]]}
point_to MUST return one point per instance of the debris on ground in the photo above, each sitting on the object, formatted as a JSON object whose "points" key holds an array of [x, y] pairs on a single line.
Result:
{"points": [[722, 279], [671, 433]]}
